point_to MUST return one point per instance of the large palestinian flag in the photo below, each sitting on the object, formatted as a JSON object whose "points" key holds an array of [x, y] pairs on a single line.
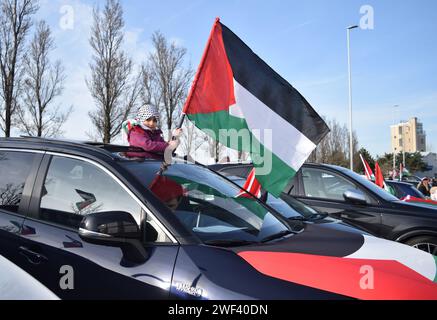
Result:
{"points": [[244, 104]]}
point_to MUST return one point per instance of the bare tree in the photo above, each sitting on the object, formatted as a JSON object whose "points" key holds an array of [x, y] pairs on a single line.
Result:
{"points": [[112, 84], [43, 83], [165, 79], [192, 139], [15, 22], [216, 149], [334, 148]]}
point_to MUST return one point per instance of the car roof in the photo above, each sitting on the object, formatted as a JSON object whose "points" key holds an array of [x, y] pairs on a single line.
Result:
{"points": [[97, 149], [221, 166]]}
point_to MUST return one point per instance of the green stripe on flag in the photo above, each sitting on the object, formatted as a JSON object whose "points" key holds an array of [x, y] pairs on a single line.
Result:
{"points": [[219, 124], [279, 176]]}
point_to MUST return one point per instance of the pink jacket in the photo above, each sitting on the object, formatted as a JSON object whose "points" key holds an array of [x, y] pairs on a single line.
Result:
{"points": [[148, 140]]}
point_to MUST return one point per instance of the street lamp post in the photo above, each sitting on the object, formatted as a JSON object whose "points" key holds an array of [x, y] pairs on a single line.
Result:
{"points": [[351, 151], [394, 150]]}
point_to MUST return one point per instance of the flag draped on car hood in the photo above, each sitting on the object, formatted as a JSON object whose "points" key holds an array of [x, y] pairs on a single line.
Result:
{"points": [[244, 104], [357, 266]]}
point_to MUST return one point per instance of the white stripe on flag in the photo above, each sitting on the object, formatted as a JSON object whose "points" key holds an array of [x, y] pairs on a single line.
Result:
{"points": [[289, 144], [380, 249]]}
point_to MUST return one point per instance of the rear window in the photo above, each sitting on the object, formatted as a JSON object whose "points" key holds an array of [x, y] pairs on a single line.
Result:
{"points": [[404, 190], [14, 169]]}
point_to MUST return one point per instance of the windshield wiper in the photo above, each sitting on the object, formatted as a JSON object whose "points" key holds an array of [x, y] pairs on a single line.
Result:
{"points": [[299, 218], [276, 236], [228, 242]]}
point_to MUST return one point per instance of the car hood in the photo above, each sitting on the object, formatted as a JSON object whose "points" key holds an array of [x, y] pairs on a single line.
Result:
{"points": [[417, 207], [339, 259]]}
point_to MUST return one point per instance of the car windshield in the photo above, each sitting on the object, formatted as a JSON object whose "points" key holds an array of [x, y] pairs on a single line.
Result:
{"points": [[216, 210], [291, 208], [371, 186]]}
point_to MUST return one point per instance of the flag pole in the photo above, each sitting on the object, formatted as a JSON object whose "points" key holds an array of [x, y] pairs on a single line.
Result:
{"points": [[199, 70], [193, 88], [365, 168], [181, 122], [196, 77]]}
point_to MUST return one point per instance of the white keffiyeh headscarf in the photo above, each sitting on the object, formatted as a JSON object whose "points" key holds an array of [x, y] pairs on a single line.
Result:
{"points": [[147, 112]]}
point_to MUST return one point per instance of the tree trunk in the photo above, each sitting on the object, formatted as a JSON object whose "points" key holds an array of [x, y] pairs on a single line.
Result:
{"points": [[8, 121]]}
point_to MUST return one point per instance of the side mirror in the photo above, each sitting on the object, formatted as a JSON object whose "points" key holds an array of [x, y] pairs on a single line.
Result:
{"points": [[114, 229], [355, 197]]}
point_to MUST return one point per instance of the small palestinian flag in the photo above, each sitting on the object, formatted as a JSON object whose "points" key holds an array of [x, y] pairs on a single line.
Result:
{"points": [[244, 104], [252, 186]]}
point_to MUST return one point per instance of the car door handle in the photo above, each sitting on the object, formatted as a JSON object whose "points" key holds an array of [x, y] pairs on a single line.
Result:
{"points": [[32, 256]]}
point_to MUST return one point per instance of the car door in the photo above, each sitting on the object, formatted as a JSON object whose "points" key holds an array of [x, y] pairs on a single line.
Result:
{"points": [[67, 189], [17, 174], [324, 190]]}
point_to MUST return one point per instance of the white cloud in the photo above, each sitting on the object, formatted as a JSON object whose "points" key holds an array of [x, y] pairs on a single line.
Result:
{"points": [[134, 46]]}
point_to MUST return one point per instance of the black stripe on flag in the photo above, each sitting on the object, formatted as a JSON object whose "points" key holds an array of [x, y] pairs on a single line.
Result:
{"points": [[270, 88]]}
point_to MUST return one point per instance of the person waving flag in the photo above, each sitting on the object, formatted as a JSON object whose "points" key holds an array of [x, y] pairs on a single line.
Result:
{"points": [[241, 102]]}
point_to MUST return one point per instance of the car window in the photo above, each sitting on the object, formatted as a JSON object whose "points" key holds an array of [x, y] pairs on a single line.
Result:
{"points": [[407, 190], [15, 167], [75, 188], [207, 204], [369, 185], [288, 209], [325, 184]]}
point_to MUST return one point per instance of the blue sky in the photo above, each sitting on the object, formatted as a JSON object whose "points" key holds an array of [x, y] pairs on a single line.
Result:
{"points": [[304, 41]]}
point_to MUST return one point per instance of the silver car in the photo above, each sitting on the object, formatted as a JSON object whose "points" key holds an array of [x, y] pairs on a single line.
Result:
{"points": [[17, 284]]}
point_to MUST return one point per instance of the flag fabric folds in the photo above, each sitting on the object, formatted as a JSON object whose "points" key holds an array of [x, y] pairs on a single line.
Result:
{"points": [[251, 185], [379, 177], [380, 181], [237, 99]]}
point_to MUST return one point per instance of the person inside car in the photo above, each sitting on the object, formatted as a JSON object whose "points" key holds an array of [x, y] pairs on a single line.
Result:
{"points": [[168, 191], [423, 187]]}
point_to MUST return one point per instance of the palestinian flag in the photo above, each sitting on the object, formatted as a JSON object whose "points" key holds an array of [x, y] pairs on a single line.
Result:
{"points": [[252, 186], [238, 100]]}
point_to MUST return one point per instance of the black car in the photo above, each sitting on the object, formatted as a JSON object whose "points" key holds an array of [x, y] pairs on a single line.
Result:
{"points": [[95, 221], [348, 196]]}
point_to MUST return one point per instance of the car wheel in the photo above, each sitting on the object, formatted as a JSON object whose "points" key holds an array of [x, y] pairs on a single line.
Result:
{"points": [[425, 243]]}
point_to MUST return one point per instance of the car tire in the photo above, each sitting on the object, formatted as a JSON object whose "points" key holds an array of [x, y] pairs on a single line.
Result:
{"points": [[425, 243]]}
